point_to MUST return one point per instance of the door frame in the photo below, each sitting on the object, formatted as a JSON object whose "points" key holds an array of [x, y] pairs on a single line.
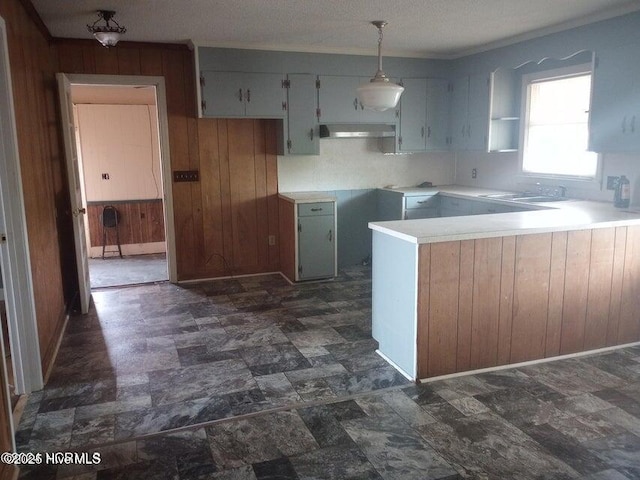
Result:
{"points": [[165, 154], [14, 253]]}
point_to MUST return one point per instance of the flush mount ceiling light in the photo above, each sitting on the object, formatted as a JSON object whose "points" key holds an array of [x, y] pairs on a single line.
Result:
{"points": [[379, 94], [109, 33]]}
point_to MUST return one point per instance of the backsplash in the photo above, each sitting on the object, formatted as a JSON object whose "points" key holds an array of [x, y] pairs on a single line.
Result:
{"points": [[501, 171], [355, 163]]}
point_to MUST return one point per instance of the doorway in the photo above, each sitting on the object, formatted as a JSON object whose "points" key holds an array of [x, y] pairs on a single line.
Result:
{"points": [[79, 208], [118, 147]]}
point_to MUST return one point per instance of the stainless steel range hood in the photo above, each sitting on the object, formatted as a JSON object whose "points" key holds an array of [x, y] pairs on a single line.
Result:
{"points": [[357, 130]]}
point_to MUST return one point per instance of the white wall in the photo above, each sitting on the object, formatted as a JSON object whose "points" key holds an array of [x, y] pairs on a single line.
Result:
{"points": [[122, 141], [354, 163], [501, 171]]}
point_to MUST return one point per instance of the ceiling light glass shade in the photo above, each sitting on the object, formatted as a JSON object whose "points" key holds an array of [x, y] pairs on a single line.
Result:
{"points": [[108, 39], [379, 95], [108, 33]]}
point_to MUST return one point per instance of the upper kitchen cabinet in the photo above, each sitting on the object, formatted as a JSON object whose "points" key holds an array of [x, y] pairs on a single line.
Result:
{"points": [[504, 123], [239, 94], [338, 103], [302, 103], [413, 116], [438, 114], [470, 112], [615, 104]]}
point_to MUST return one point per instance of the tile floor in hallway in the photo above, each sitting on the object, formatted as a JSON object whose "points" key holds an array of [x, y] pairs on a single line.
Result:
{"points": [[253, 378]]}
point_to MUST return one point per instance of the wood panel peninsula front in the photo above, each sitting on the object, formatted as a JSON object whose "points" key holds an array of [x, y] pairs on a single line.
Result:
{"points": [[455, 294]]}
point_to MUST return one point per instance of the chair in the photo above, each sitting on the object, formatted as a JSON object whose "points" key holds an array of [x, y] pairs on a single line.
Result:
{"points": [[110, 220]]}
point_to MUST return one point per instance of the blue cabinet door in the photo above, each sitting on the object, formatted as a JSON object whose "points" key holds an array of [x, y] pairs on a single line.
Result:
{"points": [[413, 115], [459, 110], [337, 99], [302, 101], [264, 95], [478, 112], [316, 247], [222, 94], [438, 114], [615, 108]]}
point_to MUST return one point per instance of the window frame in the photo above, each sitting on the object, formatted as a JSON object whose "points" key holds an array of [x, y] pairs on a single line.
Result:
{"points": [[555, 74]]}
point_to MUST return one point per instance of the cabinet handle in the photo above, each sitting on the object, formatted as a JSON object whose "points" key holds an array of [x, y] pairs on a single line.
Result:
{"points": [[248, 95], [331, 235], [464, 128], [355, 103], [422, 132], [422, 201], [240, 94], [428, 132], [316, 209], [311, 134], [469, 131]]}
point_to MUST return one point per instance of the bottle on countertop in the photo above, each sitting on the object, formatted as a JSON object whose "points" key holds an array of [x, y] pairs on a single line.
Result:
{"points": [[622, 194]]}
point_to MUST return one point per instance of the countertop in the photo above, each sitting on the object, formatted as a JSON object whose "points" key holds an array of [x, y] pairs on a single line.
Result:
{"points": [[551, 217], [307, 197]]}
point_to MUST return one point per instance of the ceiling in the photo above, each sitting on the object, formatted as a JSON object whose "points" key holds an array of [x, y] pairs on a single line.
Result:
{"points": [[417, 28]]}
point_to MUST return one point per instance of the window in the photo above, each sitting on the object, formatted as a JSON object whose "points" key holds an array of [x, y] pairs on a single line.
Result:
{"points": [[556, 124]]}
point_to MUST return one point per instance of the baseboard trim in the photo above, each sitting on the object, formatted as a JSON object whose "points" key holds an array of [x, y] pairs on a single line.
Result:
{"points": [[527, 363], [52, 353]]}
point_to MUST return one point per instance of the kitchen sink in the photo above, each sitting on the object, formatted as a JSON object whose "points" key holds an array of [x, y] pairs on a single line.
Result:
{"points": [[539, 199]]}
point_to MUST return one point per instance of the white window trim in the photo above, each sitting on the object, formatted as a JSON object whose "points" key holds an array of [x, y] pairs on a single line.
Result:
{"points": [[594, 183]]}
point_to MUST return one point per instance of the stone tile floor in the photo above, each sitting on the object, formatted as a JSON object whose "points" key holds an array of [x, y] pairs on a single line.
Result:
{"points": [[253, 378]]}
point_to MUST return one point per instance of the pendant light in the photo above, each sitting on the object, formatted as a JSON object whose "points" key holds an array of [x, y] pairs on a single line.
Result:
{"points": [[379, 94], [108, 35]]}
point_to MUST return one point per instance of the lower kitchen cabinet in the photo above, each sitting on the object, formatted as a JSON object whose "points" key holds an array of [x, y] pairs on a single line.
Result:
{"points": [[307, 238]]}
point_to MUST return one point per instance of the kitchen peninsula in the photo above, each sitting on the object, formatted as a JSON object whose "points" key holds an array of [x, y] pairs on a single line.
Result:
{"points": [[455, 294]]}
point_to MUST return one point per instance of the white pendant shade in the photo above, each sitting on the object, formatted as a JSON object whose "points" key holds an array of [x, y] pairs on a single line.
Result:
{"points": [[107, 39], [379, 95]]}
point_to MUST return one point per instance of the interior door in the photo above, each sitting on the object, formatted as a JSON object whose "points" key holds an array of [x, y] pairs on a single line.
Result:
{"points": [[73, 174]]}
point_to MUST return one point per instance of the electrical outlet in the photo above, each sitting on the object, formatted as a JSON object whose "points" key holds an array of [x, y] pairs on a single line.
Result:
{"points": [[612, 182], [105, 176], [272, 240], [474, 173]]}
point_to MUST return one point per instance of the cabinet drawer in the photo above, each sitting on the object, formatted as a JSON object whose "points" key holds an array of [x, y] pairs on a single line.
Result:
{"points": [[423, 201], [465, 207], [417, 213], [314, 209]]}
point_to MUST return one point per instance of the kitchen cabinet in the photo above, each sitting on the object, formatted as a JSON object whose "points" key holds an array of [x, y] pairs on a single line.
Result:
{"points": [[239, 94], [302, 102], [423, 206], [470, 110], [307, 236], [413, 116], [504, 123], [615, 108], [338, 102], [455, 207], [438, 114], [408, 204], [316, 241]]}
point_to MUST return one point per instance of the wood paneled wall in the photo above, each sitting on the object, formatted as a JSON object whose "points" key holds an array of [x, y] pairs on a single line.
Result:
{"points": [[495, 301], [231, 210], [140, 222], [43, 173]]}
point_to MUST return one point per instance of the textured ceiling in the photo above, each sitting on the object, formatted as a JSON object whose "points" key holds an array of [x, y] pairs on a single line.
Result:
{"points": [[420, 28]]}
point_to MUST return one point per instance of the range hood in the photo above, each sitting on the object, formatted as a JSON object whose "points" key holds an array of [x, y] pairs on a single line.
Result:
{"points": [[357, 130]]}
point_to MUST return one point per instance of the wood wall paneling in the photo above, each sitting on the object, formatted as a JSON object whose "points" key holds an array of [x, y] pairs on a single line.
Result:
{"points": [[530, 297], [271, 161], [424, 281], [465, 304], [45, 193], [505, 321], [600, 282], [629, 326], [262, 200], [443, 307], [617, 276], [486, 302], [556, 293], [140, 222], [576, 289]]}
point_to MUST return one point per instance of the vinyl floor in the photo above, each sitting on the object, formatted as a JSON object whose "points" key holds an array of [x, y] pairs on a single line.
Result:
{"points": [[255, 379]]}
